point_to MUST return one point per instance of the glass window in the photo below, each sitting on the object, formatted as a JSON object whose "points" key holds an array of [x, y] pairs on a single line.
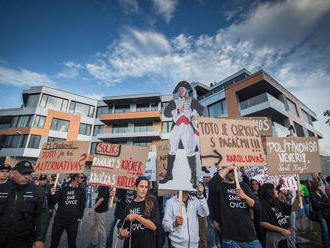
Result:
{"points": [[143, 127], [34, 141], [98, 129], [306, 117], [120, 128], [59, 125], [16, 141], [85, 129], [81, 109], [142, 107], [54, 139], [103, 110], [52, 102], [299, 130], [292, 107], [154, 106], [166, 126], [217, 109], [39, 121], [143, 142], [122, 108], [21, 121]]}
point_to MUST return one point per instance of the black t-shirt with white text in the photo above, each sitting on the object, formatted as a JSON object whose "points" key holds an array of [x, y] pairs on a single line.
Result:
{"points": [[141, 237], [233, 213], [125, 197], [103, 191], [275, 217]]}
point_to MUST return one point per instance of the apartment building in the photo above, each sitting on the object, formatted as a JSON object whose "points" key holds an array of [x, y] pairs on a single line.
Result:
{"points": [[50, 115], [46, 115]]}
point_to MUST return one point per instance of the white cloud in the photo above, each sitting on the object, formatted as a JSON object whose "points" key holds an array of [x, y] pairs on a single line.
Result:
{"points": [[23, 77], [71, 70], [165, 8]]}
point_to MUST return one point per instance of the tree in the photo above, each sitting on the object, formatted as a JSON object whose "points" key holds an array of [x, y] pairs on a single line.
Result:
{"points": [[327, 115]]}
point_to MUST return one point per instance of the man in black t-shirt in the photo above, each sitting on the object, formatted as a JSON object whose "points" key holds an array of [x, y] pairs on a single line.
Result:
{"points": [[233, 211], [98, 223]]}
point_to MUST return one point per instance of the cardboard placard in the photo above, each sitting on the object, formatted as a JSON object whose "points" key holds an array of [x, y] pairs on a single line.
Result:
{"points": [[229, 141], [64, 157], [293, 155], [120, 168], [264, 123]]}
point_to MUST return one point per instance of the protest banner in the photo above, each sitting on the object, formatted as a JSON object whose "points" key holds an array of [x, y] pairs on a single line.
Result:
{"points": [[230, 142], [264, 123], [292, 155], [118, 165], [64, 157]]}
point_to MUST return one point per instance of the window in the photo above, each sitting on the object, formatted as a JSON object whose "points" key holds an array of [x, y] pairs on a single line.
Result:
{"points": [[103, 110], [299, 130], [154, 106], [98, 129], [217, 109], [166, 126], [120, 128], [34, 141], [143, 127], [143, 142], [59, 125], [21, 121], [164, 105], [81, 109], [142, 107], [52, 102], [306, 117], [39, 121], [16, 141], [85, 129], [310, 133], [122, 108], [54, 139], [292, 107]]}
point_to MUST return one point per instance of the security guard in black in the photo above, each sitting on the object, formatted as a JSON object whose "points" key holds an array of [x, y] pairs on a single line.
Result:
{"points": [[23, 211]]}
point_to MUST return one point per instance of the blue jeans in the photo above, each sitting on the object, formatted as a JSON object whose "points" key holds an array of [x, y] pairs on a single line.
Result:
{"points": [[292, 221], [227, 243], [110, 236], [212, 236], [324, 232]]}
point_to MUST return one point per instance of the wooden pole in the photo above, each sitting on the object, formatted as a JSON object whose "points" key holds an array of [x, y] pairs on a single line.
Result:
{"points": [[236, 177], [180, 203], [300, 198], [112, 197], [56, 181]]}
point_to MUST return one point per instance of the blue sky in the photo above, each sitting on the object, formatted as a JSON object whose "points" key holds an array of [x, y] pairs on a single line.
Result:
{"points": [[113, 47]]}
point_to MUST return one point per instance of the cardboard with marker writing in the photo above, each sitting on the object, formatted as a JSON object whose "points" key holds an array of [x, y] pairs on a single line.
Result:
{"points": [[292, 155], [230, 141], [64, 157], [118, 165]]}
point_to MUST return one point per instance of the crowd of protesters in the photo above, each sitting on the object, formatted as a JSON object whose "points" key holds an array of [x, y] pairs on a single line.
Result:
{"points": [[218, 215]]}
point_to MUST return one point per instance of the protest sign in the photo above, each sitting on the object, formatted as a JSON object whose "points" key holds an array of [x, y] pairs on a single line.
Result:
{"points": [[118, 165], [150, 171], [293, 155], [261, 175], [264, 123], [228, 141], [64, 157]]}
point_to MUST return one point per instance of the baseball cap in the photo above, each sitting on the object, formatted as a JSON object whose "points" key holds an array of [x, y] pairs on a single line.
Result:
{"points": [[3, 167], [24, 166], [42, 177]]}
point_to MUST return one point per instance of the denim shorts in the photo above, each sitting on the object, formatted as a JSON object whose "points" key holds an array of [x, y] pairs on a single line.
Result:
{"points": [[227, 243], [304, 211]]}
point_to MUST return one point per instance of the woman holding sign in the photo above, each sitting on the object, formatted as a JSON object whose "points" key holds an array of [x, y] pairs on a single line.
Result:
{"points": [[275, 218], [141, 218]]}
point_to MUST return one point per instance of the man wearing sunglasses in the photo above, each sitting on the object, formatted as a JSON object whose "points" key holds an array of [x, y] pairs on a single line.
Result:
{"points": [[23, 210], [71, 205]]}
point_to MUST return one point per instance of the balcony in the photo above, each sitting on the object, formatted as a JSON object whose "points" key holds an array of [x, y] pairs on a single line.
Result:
{"points": [[108, 136], [117, 117], [264, 104]]}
